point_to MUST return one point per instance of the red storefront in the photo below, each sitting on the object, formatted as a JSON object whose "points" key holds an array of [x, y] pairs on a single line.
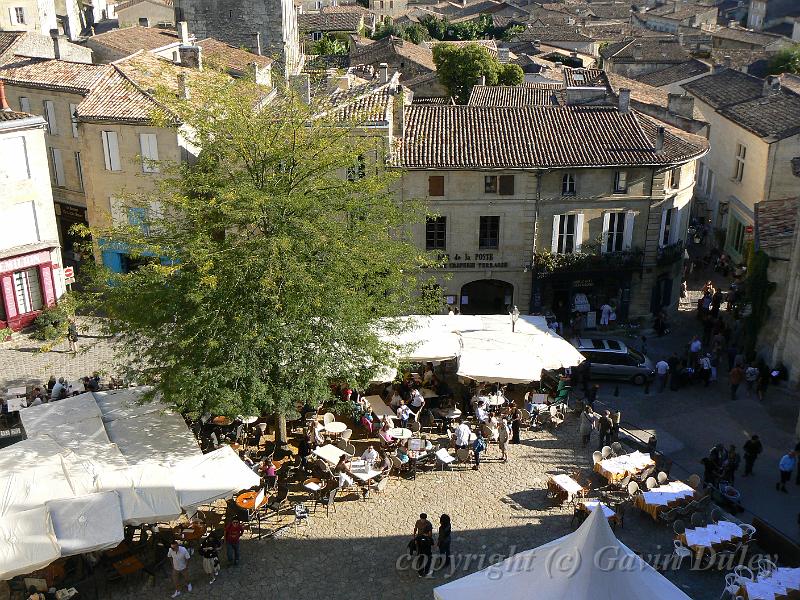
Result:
{"points": [[26, 287]]}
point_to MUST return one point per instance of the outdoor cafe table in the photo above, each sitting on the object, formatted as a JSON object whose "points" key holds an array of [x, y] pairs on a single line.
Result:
{"points": [[781, 583], [335, 428], [563, 487], [664, 497], [711, 537], [617, 468], [537, 399], [589, 505], [400, 433], [329, 453], [247, 500], [17, 391], [363, 471], [379, 407]]}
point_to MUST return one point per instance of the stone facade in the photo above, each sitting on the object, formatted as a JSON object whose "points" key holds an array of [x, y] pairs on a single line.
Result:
{"points": [[787, 346], [388, 9], [154, 12], [266, 27]]}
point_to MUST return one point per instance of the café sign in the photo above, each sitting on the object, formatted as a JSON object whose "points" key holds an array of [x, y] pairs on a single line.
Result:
{"points": [[474, 260]]}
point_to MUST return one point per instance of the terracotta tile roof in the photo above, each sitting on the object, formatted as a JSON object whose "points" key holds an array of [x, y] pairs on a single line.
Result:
{"points": [[12, 115], [391, 45], [35, 45], [439, 100], [556, 33], [595, 78], [748, 36], [741, 98], [674, 73], [641, 50], [231, 58], [515, 95], [337, 21], [754, 62], [116, 98], [677, 11], [365, 104], [477, 137], [129, 3], [131, 39], [52, 74], [490, 45], [776, 221], [646, 94], [345, 8], [8, 40]]}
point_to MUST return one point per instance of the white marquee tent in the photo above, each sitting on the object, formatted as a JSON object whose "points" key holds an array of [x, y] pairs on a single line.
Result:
{"points": [[94, 463], [588, 564], [486, 348]]}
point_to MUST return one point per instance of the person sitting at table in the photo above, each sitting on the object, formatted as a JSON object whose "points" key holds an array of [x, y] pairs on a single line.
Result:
{"points": [[385, 436], [404, 414], [480, 412], [269, 473], [342, 470], [370, 455], [33, 594], [427, 376], [51, 383], [59, 391], [417, 400], [396, 398], [402, 454], [462, 435]]}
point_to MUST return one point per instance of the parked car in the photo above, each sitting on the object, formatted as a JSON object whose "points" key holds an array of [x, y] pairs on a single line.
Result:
{"points": [[612, 359]]}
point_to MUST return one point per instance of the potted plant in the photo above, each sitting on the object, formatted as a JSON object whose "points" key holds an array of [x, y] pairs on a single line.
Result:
{"points": [[5, 334]]}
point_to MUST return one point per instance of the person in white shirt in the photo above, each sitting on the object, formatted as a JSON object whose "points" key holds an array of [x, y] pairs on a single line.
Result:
{"points": [[462, 435], [605, 314], [180, 567], [403, 413], [417, 400], [480, 413], [370, 455], [662, 370], [58, 389], [396, 399]]}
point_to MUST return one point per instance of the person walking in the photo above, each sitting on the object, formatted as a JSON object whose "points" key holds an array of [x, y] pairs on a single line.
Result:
{"points": [[732, 465], [478, 446], [586, 425], [209, 550], [695, 346], [425, 549], [604, 426], [736, 377], [443, 539], [705, 369], [750, 378], [785, 467], [516, 419], [502, 438], [752, 448], [72, 336], [180, 567], [662, 372], [233, 533]]}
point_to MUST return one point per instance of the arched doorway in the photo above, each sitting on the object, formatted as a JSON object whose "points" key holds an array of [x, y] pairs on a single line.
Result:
{"points": [[486, 297]]}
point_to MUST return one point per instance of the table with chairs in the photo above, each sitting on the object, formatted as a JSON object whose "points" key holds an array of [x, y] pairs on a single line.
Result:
{"points": [[563, 488], [663, 496], [769, 584], [616, 468], [711, 539]]}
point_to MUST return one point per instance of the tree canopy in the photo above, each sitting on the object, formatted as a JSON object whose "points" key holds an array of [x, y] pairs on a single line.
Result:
{"points": [[459, 68], [329, 45], [786, 60], [268, 259]]}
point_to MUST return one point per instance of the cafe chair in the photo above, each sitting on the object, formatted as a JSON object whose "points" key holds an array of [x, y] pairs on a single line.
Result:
{"points": [[650, 483], [716, 515], [597, 456], [462, 454], [732, 586], [749, 531], [350, 449], [662, 478], [694, 481], [679, 527], [743, 573], [765, 567], [328, 501], [300, 515], [605, 452], [633, 489], [444, 458], [681, 552], [698, 519], [328, 418], [616, 449], [346, 434]]}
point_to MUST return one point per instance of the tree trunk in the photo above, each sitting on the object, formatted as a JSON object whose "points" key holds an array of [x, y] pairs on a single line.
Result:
{"points": [[281, 439]]}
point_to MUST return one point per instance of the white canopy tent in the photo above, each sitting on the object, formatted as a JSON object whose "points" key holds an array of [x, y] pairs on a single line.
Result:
{"points": [[588, 564], [486, 348], [87, 523], [27, 542]]}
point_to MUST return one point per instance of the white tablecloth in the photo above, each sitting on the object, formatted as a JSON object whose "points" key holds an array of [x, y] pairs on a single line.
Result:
{"points": [[400, 433], [724, 531], [776, 583], [568, 484], [379, 408], [329, 453], [627, 463], [664, 494], [592, 504]]}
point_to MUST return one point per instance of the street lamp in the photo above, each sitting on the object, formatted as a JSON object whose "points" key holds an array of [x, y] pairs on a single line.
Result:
{"points": [[514, 312]]}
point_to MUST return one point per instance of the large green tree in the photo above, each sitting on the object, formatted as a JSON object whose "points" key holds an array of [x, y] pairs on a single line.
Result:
{"points": [[786, 60], [460, 67], [268, 260]]}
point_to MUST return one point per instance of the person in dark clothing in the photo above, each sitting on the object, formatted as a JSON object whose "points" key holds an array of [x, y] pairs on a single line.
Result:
{"points": [[733, 464], [516, 416], [604, 426], [674, 375], [425, 550], [209, 550], [752, 448], [591, 395], [443, 541], [710, 473]]}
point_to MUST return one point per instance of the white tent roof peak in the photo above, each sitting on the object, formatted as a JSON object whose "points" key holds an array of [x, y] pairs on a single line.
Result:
{"points": [[588, 564]]}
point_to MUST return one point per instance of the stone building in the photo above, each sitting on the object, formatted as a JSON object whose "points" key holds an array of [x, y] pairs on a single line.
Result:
{"points": [[31, 277], [145, 12], [388, 10], [671, 16], [755, 150], [551, 201], [267, 27], [634, 57], [42, 16]]}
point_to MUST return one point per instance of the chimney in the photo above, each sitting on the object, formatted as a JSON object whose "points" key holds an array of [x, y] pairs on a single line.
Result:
{"points": [[624, 102], [57, 41], [343, 83], [637, 51], [482, 80], [796, 31], [727, 62], [503, 55], [384, 69], [680, 38], [3, 100], [732, 24], [660, 140], [183, 32], [191, 56], [144, 22], [183, 85], [537, 43], [718, 68], [302, 85], [681, 105], [772, 84], [257, 45]]}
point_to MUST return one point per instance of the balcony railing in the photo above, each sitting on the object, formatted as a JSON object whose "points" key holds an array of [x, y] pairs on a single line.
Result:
{"points": [[546, 263], [670, 254]]}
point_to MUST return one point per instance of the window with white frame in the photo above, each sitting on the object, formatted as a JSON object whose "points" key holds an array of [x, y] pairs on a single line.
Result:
{"points": [[17, 15], [28, 290], [149, 145], [568, 184], [738, 165], [674, 178], [617, 231], [57, 167], [50, 117], [567, 233], [620, 182], [111, 150], [316, 35]]}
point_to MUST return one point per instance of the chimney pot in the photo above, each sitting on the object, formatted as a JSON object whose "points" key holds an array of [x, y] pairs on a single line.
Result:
{"points": [[482, 80], [624, 101], [660, 140], [3, 100], [183, 32], [57, 41], [384, 69], [191, 56]]}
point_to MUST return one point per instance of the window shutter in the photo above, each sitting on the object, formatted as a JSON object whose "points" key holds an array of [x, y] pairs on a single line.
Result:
{"points": [[24, 104], [58, 167], [627, 234], [50, 115], [12, 16], [436, 185], [506, 185], [604, 242], [111, 150], [149, 145], [578, 231], [661, 229], [675, 226], [73, 118], [554, 245]]}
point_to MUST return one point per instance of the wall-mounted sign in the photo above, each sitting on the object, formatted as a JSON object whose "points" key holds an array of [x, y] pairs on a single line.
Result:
{"points": [[472, 260]]}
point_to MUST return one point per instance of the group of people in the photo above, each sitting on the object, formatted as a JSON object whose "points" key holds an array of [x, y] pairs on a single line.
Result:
{"points": [[721, 465], [57, 389], [422, 542], [606, 425]]}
